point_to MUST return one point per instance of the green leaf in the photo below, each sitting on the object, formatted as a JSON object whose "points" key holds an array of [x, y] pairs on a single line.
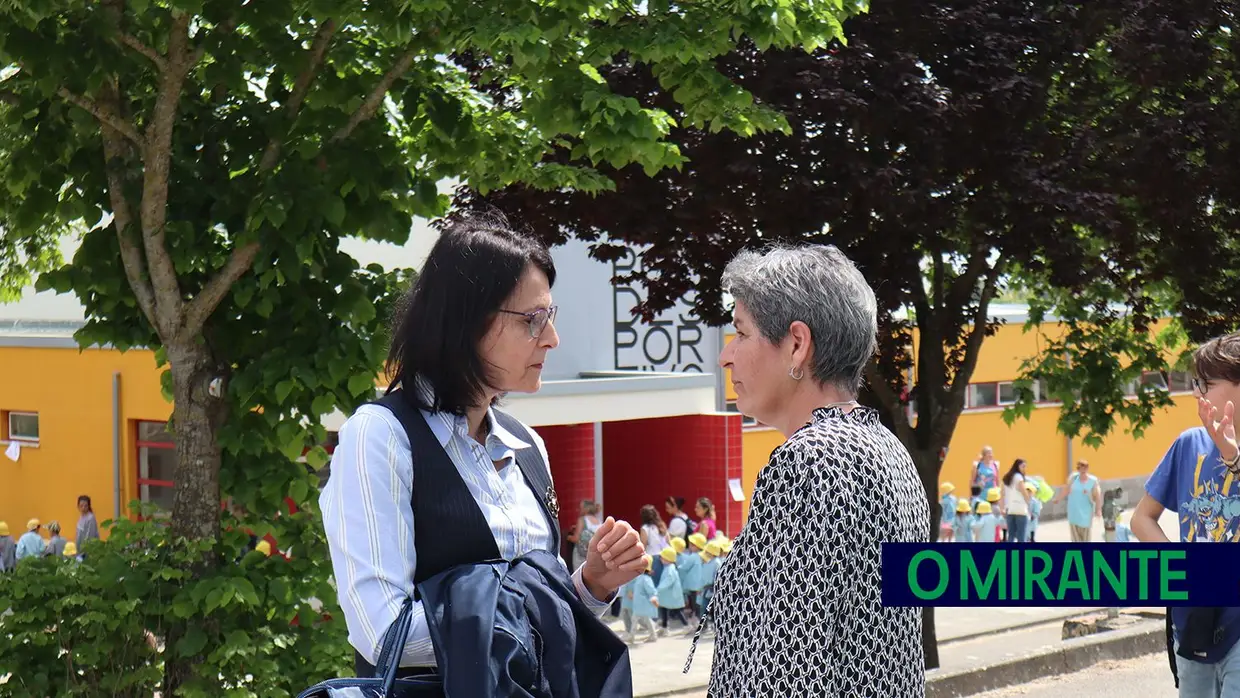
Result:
{"points": [[193, 641], [323, 404], [283, 389], [333, 210], [361, 384], [298, 490]]}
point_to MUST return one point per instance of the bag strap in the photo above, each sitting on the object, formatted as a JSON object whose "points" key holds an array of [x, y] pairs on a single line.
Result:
{"points": [[1175, 672], [393, 640]]}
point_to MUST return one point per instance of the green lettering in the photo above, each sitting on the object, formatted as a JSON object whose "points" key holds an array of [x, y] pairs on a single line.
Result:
{"points": [[1073, 577], [972, 577], [1015, 565], [1166, 575], [916, 587], [1102, 568], [1038, 577], [1143, 572]]}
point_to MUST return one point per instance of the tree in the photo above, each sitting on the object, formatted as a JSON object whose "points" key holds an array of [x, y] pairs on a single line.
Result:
{"points": [[935, 148], [218, 151]]}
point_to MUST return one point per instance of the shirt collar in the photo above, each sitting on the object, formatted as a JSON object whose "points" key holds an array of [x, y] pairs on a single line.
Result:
{"points": [[445, 426]]}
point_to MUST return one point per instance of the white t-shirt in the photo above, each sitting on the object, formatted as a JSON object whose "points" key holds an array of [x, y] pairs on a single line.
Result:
{"points": [[677, 528], [655, 541], [1014, 496]]}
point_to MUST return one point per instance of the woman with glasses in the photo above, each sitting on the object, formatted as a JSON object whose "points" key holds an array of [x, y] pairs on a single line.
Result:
{"points": [[434, 476]]}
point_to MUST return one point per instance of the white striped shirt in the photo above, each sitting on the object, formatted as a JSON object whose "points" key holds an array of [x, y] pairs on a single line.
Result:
{"points": [[368, 514]]}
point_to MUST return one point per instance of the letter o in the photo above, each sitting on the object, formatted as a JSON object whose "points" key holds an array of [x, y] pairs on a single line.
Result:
{"points": [[915, 587]]}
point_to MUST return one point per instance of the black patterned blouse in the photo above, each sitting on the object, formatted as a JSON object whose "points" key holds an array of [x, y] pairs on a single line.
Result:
{"points": [[797, 604]]}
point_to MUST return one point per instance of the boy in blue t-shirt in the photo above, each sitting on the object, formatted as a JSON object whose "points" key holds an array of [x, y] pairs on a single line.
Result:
{"points": [[1199, 480]]}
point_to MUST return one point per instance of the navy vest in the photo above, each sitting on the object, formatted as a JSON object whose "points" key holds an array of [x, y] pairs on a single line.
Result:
{"points": [[444, 508]]}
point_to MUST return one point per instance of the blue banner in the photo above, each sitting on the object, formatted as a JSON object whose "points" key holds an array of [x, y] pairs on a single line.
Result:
{"points": [[1060, 574]]}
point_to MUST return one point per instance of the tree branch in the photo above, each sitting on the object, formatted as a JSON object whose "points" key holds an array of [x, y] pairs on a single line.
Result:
{"points": [[375, 98], [115, 151], [105, 116], [318, 48], [890, 401], [157, 170], [209, 298], [977, 332], [132, 42]]}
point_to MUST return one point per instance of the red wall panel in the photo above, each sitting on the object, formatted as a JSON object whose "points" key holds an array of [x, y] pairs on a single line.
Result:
{"points": [[647, 460], [571, 451]]}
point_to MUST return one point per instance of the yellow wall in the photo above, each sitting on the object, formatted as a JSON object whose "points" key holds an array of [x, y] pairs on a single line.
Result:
{"points": [[72, 392]]}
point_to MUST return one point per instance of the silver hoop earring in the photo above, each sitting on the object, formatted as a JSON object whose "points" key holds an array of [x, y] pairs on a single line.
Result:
{"points": [[795, 373]]}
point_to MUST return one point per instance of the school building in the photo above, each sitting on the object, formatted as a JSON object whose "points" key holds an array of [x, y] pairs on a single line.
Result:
{"points": [[1047, 451], [631, 411]]}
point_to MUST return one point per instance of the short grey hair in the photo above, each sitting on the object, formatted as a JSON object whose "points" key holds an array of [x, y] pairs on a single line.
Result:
{"points": [[820, 286]]}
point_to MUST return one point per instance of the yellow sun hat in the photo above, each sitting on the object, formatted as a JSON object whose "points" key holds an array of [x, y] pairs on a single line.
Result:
{"points": [[32, 525], [70, 549], [668, 555], [698, 539], [678, 544], [649, 563], [993, 494], [713, 548], [946, 488], [264, 547], [962, 507], [4, 528], [983, 508], [725, 547]]}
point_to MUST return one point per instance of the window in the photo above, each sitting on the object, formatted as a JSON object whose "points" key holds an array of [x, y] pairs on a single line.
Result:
{"points": [[24, 426], [157, 462], [1180, 382], [745, 420], [982, 395], [1007, 394]]}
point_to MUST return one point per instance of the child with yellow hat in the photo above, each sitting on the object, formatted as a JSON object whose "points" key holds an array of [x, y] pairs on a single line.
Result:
{"points": [[31, 543], [1035, 511], [670, 592], [689, 564], [708, 570], [71, 552], [986, 528], [947, 499], [645, 603], [962, 525], [8, 549], [994, 496]]}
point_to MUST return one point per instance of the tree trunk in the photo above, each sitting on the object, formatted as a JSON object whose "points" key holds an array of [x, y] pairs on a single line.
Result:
{"points": [[928, 465], [197, 417]]}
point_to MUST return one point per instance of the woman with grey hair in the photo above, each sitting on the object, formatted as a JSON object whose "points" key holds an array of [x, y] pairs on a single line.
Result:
{"points": [[797, 606]]}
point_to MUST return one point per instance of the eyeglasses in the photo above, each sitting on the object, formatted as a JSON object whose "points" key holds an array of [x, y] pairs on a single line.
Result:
{"points": [[1201, 385], [537, 320]]}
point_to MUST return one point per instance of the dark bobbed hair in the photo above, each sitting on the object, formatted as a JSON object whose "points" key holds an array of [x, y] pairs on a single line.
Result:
{"points": [[471, 270]]}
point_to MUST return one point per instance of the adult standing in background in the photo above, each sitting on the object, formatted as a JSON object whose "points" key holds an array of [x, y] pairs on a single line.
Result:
{"points": [[654, 536], [797, 608], [583, 532], [678, 523], [87, 527], [985, 473], [1084, 502], [1016, 502]]}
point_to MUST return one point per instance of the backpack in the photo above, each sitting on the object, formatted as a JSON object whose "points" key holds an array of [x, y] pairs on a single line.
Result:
{"points": [[690, 527], [584, 536]]}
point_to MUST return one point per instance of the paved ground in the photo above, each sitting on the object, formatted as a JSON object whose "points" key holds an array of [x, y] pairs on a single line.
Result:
{"points": [[1148, 677], [967, 636]]}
